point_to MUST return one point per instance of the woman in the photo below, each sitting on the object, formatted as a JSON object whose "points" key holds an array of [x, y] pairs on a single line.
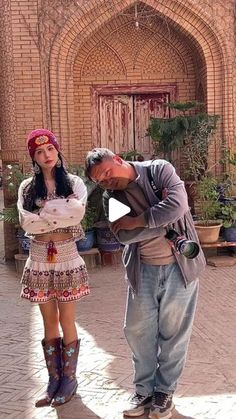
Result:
{"points": [[51, 205]]}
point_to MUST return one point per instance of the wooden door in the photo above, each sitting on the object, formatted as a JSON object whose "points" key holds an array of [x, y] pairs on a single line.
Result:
{"points": [[124, 120], [145, 107], [116, 122]]}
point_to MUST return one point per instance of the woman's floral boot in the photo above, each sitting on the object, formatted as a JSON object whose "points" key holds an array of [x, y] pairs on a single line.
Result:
{"points": [[68, 383], [52, 354]]}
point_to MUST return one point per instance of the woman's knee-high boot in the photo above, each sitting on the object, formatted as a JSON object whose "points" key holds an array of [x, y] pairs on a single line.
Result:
{"points": [[68, 383], [53, 357]]}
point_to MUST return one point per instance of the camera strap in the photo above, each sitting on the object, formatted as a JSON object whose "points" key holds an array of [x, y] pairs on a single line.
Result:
{"points": [[158, 192]]}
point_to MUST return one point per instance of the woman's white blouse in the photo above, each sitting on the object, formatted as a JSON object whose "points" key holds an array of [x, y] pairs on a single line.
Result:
{"points": [[56, 213]]}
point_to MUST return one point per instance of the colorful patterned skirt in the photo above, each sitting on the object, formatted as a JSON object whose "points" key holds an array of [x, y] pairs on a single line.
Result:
{"points": [[65, 279]]}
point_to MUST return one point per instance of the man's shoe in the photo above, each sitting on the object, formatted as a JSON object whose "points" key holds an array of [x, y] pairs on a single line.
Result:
{"points": [[137, 405], [162, 405]]}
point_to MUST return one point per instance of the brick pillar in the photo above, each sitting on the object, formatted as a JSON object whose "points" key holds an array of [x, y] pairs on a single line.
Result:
{"points": [[7, 110]]}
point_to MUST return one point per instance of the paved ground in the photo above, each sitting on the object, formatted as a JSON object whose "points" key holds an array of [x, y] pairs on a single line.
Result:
{"points": [[207, 389]]}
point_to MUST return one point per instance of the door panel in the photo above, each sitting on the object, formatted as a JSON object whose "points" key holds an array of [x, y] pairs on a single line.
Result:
{"points": [[116, 122], [124, 120], [145, 106]]}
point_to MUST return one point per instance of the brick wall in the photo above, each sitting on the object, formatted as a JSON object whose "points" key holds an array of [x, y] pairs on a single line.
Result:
{"points": [[102, 50], [52, 52]]}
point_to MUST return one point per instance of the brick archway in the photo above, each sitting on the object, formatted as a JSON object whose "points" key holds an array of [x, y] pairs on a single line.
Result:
{"points": [[186, 17]]}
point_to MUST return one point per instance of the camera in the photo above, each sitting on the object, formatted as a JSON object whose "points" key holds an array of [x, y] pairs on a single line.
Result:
{"points": [[185, 247]]}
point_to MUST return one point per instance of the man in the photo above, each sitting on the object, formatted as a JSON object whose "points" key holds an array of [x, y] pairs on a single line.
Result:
{"points": [[163, 284]]}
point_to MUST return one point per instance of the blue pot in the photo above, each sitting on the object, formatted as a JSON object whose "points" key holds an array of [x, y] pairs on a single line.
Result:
{"points": [[230, 234], [24, 243], [86, 243], [106, 241]]}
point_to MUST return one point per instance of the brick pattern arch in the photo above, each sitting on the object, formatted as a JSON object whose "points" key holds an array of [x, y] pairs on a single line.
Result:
{"points": [[87, 122], [129, 39], [102, 60], [184, 16], [163, 58]]}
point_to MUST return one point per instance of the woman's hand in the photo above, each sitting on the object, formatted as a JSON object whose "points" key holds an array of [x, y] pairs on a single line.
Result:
{"points": [[43, 202], [73, 195]]}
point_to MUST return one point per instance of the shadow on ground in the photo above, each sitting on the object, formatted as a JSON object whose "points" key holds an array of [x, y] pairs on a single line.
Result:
{"points": [[175, 415], [78, 408]]}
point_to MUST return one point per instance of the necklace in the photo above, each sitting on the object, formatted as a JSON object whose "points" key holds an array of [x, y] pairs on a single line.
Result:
{"points": [[51, 188], [51, 195], [41, 201]]}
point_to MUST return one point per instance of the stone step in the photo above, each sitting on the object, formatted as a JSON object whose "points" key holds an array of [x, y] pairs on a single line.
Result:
{"points": [[91, 257], [221, 261]]}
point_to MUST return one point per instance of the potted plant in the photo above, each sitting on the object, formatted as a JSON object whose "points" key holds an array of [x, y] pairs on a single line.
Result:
{"points": [[91, 212], [191, 130], [94, 222], [228, 212], [87, 223], [76, 169], [208, 226], [132, 155], [229, 181], [13, 175], [106, 240]]}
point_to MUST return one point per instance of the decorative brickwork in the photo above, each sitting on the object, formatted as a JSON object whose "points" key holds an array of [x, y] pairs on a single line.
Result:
{"points": [[125, 37], [163, 58], [102, 61]]}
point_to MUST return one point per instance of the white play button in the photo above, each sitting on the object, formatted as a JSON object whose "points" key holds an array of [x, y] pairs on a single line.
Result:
{"points": [[116, 209]]}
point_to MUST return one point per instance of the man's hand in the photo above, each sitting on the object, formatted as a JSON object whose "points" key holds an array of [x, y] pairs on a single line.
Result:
{"points": [[164, 193], [128, 223]]}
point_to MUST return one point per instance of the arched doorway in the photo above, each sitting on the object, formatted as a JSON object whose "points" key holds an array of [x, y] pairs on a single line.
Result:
{"points": [[108, 51], [141, 69]]}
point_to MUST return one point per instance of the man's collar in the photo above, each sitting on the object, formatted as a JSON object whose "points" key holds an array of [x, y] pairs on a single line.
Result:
{"points": [[137, 174]]}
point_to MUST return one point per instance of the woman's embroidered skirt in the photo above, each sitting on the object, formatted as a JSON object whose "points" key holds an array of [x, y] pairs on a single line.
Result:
{"points": [[64, 280]]}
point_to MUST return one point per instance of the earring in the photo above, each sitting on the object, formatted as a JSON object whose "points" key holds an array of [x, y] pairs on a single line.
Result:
{"points": [[36, 168], [58, 163]]}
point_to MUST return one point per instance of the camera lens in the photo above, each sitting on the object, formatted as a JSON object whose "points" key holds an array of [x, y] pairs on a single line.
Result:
{"points": [[171, 235], [185, 247], [188, 248]]}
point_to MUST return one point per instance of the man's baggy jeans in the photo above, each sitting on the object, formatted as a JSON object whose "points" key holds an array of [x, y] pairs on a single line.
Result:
{"points": [[158, 326]]}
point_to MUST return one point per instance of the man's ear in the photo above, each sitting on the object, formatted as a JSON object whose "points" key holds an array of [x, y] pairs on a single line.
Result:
{"points": [[117, 159]]}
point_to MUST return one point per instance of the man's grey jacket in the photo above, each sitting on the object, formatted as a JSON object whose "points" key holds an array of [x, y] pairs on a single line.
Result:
{"points": [[172, 211]]}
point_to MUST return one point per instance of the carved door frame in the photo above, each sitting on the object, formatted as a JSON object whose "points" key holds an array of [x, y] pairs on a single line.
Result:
{"points": [[102, 90]]}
